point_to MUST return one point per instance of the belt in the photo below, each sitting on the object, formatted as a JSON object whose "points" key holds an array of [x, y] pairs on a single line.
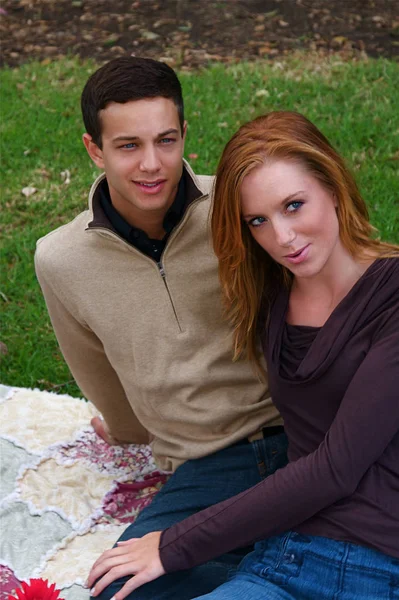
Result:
{"points": [[265, 433]]}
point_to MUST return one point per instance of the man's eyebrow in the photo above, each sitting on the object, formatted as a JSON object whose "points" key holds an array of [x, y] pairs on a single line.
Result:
{"points": [[125, 138], [168, 132], [133, 138], [284, 201]]}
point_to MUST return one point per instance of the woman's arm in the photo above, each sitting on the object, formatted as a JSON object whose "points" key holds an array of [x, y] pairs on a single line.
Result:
{"points": [[366, 422]]}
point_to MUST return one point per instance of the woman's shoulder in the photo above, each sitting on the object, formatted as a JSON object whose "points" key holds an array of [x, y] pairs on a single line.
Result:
{"points": [[383, 273]]}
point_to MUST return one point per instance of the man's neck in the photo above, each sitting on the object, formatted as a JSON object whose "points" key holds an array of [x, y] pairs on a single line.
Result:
{"points": [[151, 222]]}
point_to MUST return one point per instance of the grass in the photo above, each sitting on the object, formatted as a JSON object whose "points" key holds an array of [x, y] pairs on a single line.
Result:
{"points": [[354, 104]]}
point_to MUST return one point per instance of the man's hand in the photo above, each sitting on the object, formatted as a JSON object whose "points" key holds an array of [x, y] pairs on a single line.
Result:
{"points": [[138, 557]]}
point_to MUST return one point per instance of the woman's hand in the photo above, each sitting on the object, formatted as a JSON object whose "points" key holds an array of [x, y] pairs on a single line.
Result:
{"points": [[138, 557]]}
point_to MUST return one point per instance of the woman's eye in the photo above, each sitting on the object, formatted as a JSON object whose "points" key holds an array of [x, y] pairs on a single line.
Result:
{"points": [[293, 206], [257, 221]]}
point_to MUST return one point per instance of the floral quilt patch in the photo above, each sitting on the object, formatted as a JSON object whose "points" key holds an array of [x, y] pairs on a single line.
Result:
{"points": [[65, 495]]}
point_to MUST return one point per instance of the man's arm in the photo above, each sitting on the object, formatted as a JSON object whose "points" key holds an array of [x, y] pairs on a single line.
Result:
{"points": [[88, 363]]}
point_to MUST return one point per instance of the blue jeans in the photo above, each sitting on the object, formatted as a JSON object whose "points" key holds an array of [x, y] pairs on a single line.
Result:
{"points": [[194, 486], [292, 566]]}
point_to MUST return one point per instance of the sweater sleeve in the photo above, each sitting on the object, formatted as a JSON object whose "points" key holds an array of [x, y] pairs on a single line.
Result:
{"points": [[364, 425], [89, 365]]}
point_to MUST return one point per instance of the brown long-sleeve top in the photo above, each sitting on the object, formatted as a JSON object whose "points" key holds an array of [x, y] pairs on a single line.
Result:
{"points": [[338, 391]]}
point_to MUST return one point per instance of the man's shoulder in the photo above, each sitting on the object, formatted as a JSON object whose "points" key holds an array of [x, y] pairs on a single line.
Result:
{"points": [[206, 183], [63, 241], [203, 182]]}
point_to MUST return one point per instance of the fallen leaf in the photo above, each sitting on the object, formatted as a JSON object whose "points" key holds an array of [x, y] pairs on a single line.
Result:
{"points": [[186, 27], [66, 176], [270, 14], [339, 39], [111, 40], [44, 173], [192, 156], [283, 23], [28, 191], [149, 35], [223, 124], [260, 93]]}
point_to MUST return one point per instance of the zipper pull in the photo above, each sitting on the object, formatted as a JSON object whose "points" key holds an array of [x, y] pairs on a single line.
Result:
{"points": [[161, 269]]}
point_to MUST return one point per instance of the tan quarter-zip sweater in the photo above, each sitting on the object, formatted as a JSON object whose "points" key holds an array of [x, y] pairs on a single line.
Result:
{"points": [[147, 342]]}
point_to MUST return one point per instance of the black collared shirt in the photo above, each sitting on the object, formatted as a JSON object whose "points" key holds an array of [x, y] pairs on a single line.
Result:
{"points": [[137, 237]]}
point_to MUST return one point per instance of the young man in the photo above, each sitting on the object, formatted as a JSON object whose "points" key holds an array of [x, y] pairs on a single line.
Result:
{"points": [[132, 289]]}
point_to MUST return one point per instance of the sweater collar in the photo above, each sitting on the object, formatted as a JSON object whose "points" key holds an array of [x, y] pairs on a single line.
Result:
{"points": [[98, 217]]}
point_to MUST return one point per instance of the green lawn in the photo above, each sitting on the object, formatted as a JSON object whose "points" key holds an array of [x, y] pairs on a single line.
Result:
{"points": [[354, 104]]}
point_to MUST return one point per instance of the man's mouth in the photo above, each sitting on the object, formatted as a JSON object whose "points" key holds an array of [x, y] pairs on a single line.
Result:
{"points": [[149, 184], [152, 187]]}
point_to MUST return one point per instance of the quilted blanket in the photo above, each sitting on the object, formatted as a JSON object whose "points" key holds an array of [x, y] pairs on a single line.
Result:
{"points": [[65, 495]]}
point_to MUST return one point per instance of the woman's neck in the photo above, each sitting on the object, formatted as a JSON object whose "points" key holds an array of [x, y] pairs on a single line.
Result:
{"points": [[313, 299]]}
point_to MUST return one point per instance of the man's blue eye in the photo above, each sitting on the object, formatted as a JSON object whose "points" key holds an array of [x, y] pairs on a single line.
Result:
{"points": [[129, 145], [167, 140]]}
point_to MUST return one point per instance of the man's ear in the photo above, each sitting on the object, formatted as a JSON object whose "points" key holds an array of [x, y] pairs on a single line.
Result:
{"points": [[93, 150], [184, 130], [184, 134]]}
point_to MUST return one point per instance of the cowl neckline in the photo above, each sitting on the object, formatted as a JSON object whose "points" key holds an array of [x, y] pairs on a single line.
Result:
{"points": [[368, 297]]}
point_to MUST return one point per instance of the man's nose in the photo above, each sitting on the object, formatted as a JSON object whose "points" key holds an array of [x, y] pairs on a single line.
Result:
{"points": [[149, 160]]}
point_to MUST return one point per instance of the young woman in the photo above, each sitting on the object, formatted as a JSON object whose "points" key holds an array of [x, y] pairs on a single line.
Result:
{"points": [[303, 276]]}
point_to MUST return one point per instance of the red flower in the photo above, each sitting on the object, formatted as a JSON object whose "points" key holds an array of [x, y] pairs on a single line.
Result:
{"points": [[36, 589]]}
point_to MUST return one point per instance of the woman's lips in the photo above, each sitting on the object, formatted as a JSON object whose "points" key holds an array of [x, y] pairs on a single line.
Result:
{"points": [[299, 256]]}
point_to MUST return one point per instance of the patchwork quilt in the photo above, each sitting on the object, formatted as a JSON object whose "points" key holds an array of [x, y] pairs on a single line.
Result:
{"points": [[65, 495]]}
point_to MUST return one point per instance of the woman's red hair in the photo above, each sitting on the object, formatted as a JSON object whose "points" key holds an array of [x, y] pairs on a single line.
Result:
{"points": [[249, 277]]}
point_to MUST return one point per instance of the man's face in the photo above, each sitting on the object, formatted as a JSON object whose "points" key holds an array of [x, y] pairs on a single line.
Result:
{"points": [[142, 156]]}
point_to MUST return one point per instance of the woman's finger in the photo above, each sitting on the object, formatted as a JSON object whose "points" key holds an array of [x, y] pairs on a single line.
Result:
{"points": [[134, 583], [106, 561], [112, 575]]}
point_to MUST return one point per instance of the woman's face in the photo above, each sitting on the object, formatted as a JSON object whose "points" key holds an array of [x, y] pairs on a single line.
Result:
{"points": [[292, 216]]}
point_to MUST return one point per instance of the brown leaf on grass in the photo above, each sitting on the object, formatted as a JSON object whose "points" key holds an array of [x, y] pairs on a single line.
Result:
{"points": [[44, 173]]}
